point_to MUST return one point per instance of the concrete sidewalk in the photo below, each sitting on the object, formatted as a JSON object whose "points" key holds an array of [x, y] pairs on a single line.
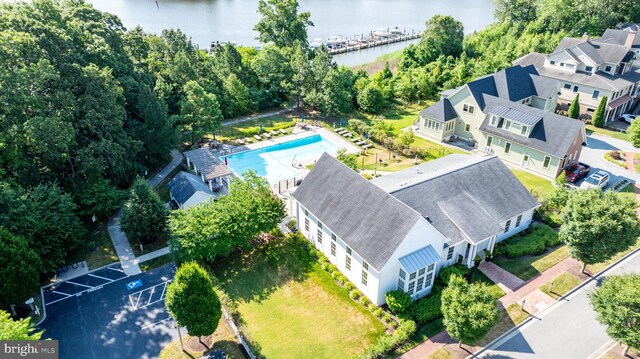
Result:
{"points": [[253, 117], [504, 279], [121, 244]]}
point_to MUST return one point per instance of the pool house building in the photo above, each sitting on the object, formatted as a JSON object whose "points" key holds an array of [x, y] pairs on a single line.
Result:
{"points": [[212, 171]]}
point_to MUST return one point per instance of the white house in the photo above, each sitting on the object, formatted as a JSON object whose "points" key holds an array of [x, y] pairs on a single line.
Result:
{"points": [[187, 190], [397, 231]]}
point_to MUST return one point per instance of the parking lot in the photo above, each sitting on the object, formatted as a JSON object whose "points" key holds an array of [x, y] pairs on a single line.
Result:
{"points": [[593, 155], [107, 314]]}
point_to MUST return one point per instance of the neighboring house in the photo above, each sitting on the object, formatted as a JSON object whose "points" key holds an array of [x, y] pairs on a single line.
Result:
{"points": [[536, 140], [592, 68], [397, 231], [188, 190], [460, 111], [627, 35]]}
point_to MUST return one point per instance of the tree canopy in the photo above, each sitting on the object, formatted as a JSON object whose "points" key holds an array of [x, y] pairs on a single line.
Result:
{"points": [[144, 215], [617, 305], [468, 310], [218, 227], [597, 225], [281, 23], [21, 267], [192, 302], [17, 329]]}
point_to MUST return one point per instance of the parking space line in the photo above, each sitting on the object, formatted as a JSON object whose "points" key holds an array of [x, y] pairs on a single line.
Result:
{"points": [[152, 324], [151, 295], [83, 285], [138, 301], [116, 269], [67, 294], [132, 305], [139, 294], [103, 278], [163, 289]]}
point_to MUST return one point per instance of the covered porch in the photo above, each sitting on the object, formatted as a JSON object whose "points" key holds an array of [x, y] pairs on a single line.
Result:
{"points": [[210, 169]]}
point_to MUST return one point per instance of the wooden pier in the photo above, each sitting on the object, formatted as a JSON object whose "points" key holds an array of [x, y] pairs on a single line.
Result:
{"points": [[365, 43]]}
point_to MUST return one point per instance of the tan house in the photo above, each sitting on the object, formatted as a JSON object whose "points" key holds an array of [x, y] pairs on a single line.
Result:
{"points": [[592, 68]]}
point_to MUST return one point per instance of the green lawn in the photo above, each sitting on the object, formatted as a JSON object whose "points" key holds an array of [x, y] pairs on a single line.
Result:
{"points": [[252, 127], [97, 250], [595, 268], [562, 284], [156, 262], [478, 276], [162, 189], [527, 267], [507, 319], [290, 307], [422, 333], [538, 186], [606, 132]]}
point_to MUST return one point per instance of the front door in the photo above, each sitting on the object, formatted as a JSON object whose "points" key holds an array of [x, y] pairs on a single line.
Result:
{"points": [[525, 161]]}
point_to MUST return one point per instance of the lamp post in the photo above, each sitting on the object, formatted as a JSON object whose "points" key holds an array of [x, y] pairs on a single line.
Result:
{"points": [[180, 336]]}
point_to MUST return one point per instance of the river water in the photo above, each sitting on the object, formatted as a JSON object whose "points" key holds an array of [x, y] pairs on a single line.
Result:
{"points": [[233, 20]]}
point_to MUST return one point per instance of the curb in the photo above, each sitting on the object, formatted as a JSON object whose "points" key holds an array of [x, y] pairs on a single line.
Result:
{"points": [[552, 307]]}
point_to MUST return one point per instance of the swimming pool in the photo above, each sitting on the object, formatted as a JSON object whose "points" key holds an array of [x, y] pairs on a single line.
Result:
{"points": [[274, 162]]}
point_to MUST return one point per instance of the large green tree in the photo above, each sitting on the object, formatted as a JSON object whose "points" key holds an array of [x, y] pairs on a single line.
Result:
{"points": [[17, 329], [445, 34], [337, 95], [634, 132], [20, 266], [199, 111], [144, 215], [281, 24], [468, 310], [617, 305], [597, 225], [218, 227], [371, 99], [598, 115], [192, 302], [515, 10]]}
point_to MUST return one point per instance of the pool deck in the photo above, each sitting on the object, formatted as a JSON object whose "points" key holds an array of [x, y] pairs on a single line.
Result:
{"points": [[297, 134]]}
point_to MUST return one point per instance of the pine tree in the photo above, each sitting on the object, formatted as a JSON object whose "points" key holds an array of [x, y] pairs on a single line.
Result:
{"points": [[574, 109], [144, 215], [598, 116]]}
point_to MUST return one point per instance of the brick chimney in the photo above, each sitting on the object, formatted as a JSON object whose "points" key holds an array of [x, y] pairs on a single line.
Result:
{"points": [[585, 37], [631, 36]]}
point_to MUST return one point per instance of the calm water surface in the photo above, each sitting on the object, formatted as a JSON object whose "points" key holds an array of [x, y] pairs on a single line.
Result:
{"points": [[233, 20]]}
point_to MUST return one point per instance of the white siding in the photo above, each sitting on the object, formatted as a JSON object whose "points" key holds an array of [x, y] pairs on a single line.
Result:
{"points": [[524, 224]]}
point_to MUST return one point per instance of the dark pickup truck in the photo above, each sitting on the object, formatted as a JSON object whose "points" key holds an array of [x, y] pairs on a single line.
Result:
{"points": [[577, 171]]}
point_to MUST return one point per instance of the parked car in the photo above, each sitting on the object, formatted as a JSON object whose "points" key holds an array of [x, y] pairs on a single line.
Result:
{"points": [[627, 118], [577, 171], [600, 179]]}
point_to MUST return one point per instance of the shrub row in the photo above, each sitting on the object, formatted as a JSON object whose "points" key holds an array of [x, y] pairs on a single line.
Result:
{"points": [[427, 309], [389, 342], [534, 242]]}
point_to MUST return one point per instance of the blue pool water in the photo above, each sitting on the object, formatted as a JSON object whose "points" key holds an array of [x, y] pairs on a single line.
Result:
{"points": [[274, 162]]}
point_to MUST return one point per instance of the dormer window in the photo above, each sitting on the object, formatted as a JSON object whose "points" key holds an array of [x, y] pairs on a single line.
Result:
{"points": [[553, 62], [588, 69], [494, 120], [523, 130], [507, 125], [468, 108], [607, 69]]}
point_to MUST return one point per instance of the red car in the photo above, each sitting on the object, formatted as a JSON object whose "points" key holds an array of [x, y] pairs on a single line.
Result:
{"points": [[577, 171]]}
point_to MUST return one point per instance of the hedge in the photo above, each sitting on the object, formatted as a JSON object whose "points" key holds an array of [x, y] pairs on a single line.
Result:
{"points": [[447, 272], [427, 309], [398, 300], [533, 243], [389, 342]]}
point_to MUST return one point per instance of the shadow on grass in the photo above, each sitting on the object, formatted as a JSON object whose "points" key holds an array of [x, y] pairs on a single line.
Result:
{"points": [[254, 275]]}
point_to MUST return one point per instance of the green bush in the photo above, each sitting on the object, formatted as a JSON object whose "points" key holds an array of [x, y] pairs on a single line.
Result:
{"points": [[365, 301], [532, 243], [387, 317], [378, 312], [447, 272], [349, 286], [398, 301], [355, 294], [389, 342], [427, 309], [292, 225], [371, 307]]}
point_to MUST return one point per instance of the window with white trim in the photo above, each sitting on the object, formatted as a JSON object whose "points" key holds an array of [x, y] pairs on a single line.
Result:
{"points": [[547, 161], [306, 224], [588, 68], [319, 235], [403, 274], [412, 285], [347, 262], [494, 120], [450, 253], [412, 276], [567, 86], [507, 125], [506, 226], [400, 285], [365, 265], [518, 221], [427, 282], [333, 249], [523, 130], [364, 277], [507, 147], [596, 94], [467, 127], [489, 141], [468, 108]]}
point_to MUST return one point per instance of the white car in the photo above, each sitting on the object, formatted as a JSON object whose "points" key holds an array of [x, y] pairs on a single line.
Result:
{"points": [[599, 179], [627, 118]]}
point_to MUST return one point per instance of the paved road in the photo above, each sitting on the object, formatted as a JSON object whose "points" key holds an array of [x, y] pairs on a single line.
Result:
{"points": [[119, 238], [566, 330], [597, 146], [98, 316]]}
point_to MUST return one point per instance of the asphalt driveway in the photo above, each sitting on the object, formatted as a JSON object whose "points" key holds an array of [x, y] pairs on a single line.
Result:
{"points": [[107, 314]]}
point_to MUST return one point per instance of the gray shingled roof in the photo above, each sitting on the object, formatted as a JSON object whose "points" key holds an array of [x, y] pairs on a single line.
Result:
{"points": [[464, 197], [513, 83], [441, 110], [184, 185], [535, 59], [620, 37], [554, 134], [366, 218], [207, 164], [599, 52]]}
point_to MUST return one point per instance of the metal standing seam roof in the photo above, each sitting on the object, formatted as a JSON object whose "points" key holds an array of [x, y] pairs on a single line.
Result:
{"points": [[207, 164], [515, 115], [419, 259]]}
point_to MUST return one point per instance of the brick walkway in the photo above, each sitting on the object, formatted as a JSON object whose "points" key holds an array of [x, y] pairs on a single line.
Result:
{"points": [[529, 291], [504, 279]]}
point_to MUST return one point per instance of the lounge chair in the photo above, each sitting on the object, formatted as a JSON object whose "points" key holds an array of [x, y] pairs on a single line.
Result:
{"points": [[273, 133], [239, 141], [257, 137], [342, 131], [283, 131], [360, 143], [348, 134], [248, 140], [339, 129], [266, 135], [366, 146], [355, 139]]}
